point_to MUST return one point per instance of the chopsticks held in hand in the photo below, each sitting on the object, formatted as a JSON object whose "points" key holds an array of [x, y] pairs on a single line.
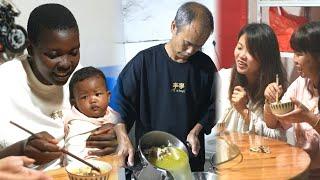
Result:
{"points": [[62, 150], [277, 94]]}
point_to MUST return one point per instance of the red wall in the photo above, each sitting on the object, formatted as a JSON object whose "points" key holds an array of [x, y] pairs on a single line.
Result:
{"points": [[232, 15]]}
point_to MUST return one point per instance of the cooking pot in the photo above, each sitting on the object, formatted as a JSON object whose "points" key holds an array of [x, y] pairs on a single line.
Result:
{"points": [[204, 176], [143, 169]]}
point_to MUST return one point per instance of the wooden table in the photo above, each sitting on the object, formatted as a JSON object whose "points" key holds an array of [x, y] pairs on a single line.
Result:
{"points": [[283, 162], [61, 174]]}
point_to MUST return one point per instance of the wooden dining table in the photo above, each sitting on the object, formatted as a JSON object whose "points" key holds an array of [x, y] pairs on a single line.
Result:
{"points": [[61, 174], [283, 162]]}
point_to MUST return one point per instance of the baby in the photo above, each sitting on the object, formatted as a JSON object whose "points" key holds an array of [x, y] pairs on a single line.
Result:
{"points": [[89, 98]]}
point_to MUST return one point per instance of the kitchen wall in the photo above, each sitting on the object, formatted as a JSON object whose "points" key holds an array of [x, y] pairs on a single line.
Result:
{"points": [[113, 31], [100, 23], [147, 23]]}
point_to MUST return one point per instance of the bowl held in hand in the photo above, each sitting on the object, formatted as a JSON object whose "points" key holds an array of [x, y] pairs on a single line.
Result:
{"points": [[281, 108]]}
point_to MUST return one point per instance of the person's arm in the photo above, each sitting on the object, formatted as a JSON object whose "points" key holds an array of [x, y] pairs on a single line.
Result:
{"points": [[104, 139], [122, 108], [124, 101], [239, 100], [110, 138], [270, 119], [314, 121], [13, 167], [16, 149], [42, 147], [125, 95], [207, 120], [193, 139], [300, 114], [123, 104], [270, 96], [125, 148], [209, 110], [258, 126]]}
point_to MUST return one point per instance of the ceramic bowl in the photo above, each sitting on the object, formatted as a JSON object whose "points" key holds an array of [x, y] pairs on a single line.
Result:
{"points": [[281, 108], [79, 171]]}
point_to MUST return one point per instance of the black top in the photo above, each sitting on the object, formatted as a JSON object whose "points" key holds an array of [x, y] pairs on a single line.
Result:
{"points": [[161, 94]]}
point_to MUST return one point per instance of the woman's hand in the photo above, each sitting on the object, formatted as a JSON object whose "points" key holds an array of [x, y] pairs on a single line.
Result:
{"points": [[13, 167], [104, 139], [42, 147], [270, 93], [239, 98]]}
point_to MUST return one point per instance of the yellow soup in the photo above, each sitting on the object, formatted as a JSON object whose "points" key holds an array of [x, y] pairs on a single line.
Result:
{"points": [[176, 161]]}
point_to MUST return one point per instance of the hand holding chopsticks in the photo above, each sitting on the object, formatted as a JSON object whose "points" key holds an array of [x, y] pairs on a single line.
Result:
{"points": [[277, 93], [41, 146], [273, 91], [38, 136]]}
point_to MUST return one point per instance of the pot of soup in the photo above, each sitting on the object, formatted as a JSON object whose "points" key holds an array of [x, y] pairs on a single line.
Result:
{"points": [[204, 176], [162, 156]]}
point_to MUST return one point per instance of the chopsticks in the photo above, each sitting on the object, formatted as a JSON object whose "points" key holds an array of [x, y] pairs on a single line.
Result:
{"points": [[62, 150], [277, 94], [222, 125]]}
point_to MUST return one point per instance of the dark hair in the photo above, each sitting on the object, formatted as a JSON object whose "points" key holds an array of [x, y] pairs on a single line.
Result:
{"points": [[192, 10], [306, 39], [82, 74], [262, 45], [52, 17]]}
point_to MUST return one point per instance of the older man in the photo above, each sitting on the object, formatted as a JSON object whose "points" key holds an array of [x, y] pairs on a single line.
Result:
{"points": [[169, 87]]}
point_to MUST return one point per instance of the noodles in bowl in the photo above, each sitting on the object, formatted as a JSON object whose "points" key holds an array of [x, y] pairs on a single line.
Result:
{"points": [[77, 170]]}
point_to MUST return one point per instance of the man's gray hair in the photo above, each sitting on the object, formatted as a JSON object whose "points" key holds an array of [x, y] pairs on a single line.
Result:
{"points": [[190, 11]]}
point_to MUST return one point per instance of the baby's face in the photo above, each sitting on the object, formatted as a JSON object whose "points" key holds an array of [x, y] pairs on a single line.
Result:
{"points": [[91, 96]]}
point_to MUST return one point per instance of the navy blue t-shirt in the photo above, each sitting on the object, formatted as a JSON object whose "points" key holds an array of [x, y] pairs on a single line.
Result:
{"points": [[161, 94]]}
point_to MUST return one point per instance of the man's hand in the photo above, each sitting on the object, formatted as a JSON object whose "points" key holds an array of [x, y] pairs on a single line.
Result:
{"points": [[194, 143], [125, 148], [42, 147], [104, 139], [193, 139], [13, 167]]}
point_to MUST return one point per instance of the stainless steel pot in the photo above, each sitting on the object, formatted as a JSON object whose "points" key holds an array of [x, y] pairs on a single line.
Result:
{"points": [[155, 139], [204, 176]]}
